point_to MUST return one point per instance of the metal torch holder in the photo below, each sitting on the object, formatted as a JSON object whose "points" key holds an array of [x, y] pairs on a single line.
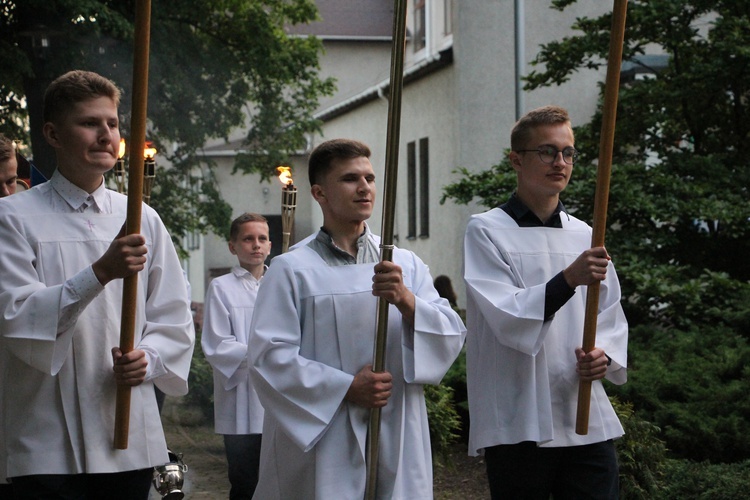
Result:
{"points": [[288, 207], [149, 174], [120, 174]]}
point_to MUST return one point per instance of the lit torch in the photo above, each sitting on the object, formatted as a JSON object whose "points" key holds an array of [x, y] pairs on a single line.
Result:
{"points": [[149, 171], [120, 168], [288, 205]]}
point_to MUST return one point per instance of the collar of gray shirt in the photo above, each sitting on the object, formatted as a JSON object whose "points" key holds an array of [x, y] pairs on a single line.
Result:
{"points": [[367, 249]]}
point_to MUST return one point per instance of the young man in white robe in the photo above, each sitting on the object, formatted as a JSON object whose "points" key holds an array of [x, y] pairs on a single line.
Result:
{"points": [[527, 265], [228, 310], [63, 259], [311, 349]]}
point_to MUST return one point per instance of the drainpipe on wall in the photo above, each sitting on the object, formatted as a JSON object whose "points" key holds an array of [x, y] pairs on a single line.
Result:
{"points": [[520, 58]]}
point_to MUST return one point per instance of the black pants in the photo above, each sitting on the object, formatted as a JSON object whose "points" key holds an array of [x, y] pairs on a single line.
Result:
{"points": [[129, 485], [243, 459], [526, 471]]}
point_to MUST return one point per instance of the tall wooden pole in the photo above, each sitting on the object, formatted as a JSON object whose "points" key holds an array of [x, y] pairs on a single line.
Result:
{"points": [[386, 234], [135, 199], [601, 199]]}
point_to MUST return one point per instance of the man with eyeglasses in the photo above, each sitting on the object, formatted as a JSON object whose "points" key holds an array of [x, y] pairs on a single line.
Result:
{"points": [[527, 266]]}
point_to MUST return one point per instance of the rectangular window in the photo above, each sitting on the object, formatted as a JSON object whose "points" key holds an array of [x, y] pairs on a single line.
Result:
{"points": [[420, 25], [411, 188], [424, 188]]}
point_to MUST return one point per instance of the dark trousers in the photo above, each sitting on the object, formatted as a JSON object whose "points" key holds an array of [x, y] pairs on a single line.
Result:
{"points": [[6, 492], [243, 458], [129, 485], [528, 472]]}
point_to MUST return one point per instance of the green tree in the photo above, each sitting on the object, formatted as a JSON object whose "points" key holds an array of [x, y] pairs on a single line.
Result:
{"points": [[215, 66], [678, 218]]}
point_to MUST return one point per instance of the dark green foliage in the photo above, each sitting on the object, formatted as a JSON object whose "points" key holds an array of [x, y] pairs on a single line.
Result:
{"points": [[215, 66], [201, 382], [442, 417], [194, 209], [455, 378], [693, 385], [640, 453], [705, 481]]}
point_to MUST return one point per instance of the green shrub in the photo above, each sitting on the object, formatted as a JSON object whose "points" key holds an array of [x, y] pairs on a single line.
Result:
{"points": [[705, 481], [201, 382], [693, 385], [442, 417], [640, 453]]}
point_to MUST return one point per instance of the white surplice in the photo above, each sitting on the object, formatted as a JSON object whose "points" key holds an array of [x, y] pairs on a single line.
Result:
{"points": [[313, 329], [59, 398], [521, 369], [228, 310]]}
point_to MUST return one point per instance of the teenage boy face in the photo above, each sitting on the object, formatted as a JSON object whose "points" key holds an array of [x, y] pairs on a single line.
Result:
{"points": [[252, 245], [347, 191], [87, 140], [536, 177]]}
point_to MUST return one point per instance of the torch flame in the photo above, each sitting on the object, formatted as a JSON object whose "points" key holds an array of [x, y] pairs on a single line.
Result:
{"points": [[121, 153], [149, 151], [285, 175]]}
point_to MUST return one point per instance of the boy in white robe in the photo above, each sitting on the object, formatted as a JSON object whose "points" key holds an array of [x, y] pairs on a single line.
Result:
{"points": [[527, 264], [311, 349], [230, 301], [60, 306]]}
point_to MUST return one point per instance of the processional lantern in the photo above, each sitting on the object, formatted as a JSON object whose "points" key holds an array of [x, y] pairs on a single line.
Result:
{"points": [[149, 171], [288, 205], [120, 173]]}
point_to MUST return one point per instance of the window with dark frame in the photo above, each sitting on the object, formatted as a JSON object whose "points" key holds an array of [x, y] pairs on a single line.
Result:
{"points": [[420, 25], [418, 188], [411, 188], [424, 187]]}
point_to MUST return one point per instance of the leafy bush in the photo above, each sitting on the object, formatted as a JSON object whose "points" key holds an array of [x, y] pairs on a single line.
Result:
{"points": [[201, 382], [640, 453], [705, 481], [443, 419], [693, 385]]}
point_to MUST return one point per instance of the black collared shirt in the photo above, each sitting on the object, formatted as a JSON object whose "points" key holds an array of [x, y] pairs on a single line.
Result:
{"points": [[558, 292]]}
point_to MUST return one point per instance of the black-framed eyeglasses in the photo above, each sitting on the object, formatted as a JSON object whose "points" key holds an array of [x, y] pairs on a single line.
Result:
{"points": [[548, 154]]}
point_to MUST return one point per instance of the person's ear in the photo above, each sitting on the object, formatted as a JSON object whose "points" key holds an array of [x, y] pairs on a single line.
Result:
{"points": [[515, 160], [230, 244], [317, 193], [50, 134]]}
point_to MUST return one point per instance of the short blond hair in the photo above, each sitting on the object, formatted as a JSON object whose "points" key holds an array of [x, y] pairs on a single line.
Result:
{"points": [[74, 87], [546, 115]]}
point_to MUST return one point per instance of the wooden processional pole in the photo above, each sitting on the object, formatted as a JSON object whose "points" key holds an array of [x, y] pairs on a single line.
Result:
{"points": [[386, 234], [135, 199], [606, 145]]}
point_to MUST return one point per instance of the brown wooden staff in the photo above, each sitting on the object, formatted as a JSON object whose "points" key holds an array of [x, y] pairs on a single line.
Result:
{"points": [[135, 199], [606, 145], [386, 235]]}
